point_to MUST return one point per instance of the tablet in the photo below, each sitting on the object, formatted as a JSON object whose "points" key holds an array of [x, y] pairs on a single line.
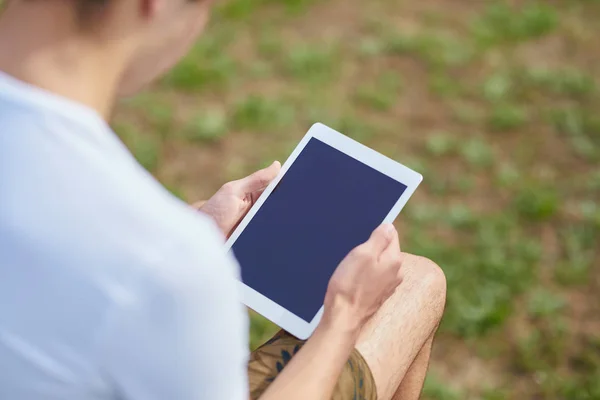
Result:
{"points": [[330, 195]]}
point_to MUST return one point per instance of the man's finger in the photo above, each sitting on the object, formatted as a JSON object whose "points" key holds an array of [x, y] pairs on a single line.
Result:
{"points": [[381, 238], [260, 179], [392, 251]]}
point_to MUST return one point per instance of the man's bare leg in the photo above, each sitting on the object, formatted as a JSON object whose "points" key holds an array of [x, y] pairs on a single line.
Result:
{"points": [[412, 384], [396, 343]]}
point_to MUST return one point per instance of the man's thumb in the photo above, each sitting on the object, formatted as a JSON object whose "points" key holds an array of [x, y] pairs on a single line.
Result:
{"points": [[381, 237], [261, 179]]}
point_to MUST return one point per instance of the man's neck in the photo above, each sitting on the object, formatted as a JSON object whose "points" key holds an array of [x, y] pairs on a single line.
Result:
{"points": [[40, 44]]}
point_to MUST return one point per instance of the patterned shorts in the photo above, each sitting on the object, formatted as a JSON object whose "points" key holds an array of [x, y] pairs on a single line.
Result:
{"points": [[355, 383]]}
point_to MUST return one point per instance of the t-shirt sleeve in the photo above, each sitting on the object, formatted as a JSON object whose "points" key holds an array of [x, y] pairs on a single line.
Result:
{"points": [[183, 335]]}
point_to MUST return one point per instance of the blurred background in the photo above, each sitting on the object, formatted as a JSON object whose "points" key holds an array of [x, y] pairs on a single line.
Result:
{"points": [[496, 103]]}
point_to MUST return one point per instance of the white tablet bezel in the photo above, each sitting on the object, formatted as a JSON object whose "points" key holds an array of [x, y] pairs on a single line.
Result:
{"points": [[411, 179]]}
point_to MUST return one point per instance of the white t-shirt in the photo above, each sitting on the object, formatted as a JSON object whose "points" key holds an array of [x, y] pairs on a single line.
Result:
{"points": [[110, 287]]}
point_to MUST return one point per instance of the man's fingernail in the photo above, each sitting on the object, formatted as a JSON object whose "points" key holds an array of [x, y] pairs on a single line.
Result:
{"points": [[388, 229]]}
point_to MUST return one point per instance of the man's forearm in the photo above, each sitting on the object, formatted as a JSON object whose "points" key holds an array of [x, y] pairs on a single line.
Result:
{"points": [[314, 371]]}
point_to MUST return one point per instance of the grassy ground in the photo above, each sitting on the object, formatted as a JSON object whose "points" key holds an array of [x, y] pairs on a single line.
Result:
{"points": [[494, 102]]}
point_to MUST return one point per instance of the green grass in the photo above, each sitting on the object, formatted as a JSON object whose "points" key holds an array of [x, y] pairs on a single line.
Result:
{"points": [[354, 127], [240, 10], [477, 152], [435, 389], [498, 87], [158, 111], [444, 85], [578, 247], [206, 67], [537, 203], [269, 44], [593, 180], [371, 47], [570, 82], [544, 303], [501, 23], [483, 280], [261, 114], [208, 126], [507, 117], [441, 143], [382, 94], [144, 147], [507, 175], [467, 113], [581, 128], [542, 350], [311, 63], [436, 50]]}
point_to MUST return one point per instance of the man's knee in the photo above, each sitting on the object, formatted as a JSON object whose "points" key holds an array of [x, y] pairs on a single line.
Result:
{"points": [[431, 281]]}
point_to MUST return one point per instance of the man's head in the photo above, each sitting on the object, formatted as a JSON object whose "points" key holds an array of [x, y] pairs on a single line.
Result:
{"points": [[93, 50], [155, 33]]}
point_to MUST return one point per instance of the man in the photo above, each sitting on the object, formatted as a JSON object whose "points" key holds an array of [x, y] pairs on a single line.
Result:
{"points": [[110, 288]]}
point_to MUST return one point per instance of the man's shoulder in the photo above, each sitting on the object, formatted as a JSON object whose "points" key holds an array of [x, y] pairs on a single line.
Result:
{"points": [[164, 242], [99, 213], [172, 245]]}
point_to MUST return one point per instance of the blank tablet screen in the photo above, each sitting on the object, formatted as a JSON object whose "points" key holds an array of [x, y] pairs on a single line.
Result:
{"points": [[326, 204]]}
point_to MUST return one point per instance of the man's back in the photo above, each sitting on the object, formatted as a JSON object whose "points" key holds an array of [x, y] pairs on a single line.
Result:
{"points": [[105, 278]]}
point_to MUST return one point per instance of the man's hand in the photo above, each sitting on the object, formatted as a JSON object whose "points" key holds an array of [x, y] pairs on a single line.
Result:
{"points": [[233, 201], [364, 280]]}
